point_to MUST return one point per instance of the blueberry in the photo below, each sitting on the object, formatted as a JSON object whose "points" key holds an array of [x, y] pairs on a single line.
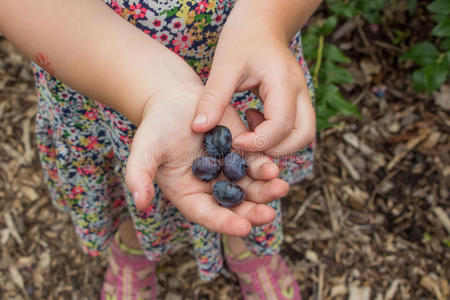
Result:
{"points": [[228, 193], [206, 168], [218, 141], [234, 166]]}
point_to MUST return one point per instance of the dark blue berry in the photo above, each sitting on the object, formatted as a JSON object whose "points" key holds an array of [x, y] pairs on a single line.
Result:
{"points": [[234, 166], [218, 141], [206, 168], [228, 193]]}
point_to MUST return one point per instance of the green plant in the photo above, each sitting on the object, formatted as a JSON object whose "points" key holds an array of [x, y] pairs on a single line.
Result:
{"points": [[433, 61], [446, 242], [369, 10], [327, 73]]}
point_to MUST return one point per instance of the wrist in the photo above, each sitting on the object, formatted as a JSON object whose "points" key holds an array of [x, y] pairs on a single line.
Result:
{"points": [[281, 19], [157, 76], [184, 93]]}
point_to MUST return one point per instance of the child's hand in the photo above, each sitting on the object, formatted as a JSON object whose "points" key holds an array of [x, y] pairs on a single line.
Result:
{"points": [[164, 148], [249, 58]]}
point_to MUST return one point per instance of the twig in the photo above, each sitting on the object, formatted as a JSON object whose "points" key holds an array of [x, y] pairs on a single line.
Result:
{"points": [[412, 143], [363, 36], [388, 46], [12, 227], [26, 137], [360, 97], [331, 203], [343, 30], [321, 281], [348, 165], [443, 217], [379, 185], [2, 109], [319, 61], [305, 205]]}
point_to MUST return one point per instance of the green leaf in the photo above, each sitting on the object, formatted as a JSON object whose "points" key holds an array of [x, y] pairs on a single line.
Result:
{"points": [[170, 12], [446, 59], [439, 6], [418, 79], [442, 28], [324, 113], [422, 54], [323, 124], [371, 10], [191, 62], [348, 10], [313, 29], [333, 97], [373, 17], [328, 26], [430, 77], [446, 242], [333, 53], [309, 42], [375, 4], [412, 5], [203, 16], [439, 17], [343, 106], [445, 45], [332, 73]]}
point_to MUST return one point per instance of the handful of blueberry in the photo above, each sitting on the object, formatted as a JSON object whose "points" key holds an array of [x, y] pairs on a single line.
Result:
{"points": [[217, 144]]}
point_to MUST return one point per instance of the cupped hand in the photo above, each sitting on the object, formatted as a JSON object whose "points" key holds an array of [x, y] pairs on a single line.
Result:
{"points": [[164, 148], [255, 59]]}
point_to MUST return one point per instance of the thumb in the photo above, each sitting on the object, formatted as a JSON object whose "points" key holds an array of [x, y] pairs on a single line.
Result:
{"points": [[254, 118], [215, 97], [142, 165]]}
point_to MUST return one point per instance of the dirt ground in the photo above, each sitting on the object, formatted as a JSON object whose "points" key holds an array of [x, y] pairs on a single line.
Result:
{"points": [[371, 222]]}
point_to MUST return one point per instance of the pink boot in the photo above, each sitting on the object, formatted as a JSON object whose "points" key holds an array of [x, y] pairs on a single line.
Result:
{"points": [[130, 275], [262, 278]]}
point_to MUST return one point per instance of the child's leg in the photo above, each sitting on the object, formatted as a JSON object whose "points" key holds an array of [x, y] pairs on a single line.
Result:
{"points": [[260, 277], [236, 245], [128, 235], [262, 272], [130, 275]]}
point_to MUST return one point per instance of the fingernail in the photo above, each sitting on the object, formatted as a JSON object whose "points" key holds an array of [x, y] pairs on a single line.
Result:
{"points": [[135, 196], [200, 119]]}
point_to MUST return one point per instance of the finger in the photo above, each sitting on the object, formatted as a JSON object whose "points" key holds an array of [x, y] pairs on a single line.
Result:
{"points": [[263, 192], [254, 118], [261, 167], [216, 95], [257, 214], [304, 131], [280, 106], [141, 168], [202, 209]]}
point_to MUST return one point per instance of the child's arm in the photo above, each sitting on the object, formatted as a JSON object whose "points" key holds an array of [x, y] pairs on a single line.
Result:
{"points": [[252, 54], [283, 18], [88, 46]]}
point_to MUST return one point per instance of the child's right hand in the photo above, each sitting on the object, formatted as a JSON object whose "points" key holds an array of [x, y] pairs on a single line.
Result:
{"points": [[164, 148]]}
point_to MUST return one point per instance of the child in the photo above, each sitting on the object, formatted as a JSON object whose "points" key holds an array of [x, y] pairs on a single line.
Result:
{"points": [[109, 161]]}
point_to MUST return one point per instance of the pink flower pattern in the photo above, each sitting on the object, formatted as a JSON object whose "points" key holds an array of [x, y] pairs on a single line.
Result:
{"points": [[83, 145]]}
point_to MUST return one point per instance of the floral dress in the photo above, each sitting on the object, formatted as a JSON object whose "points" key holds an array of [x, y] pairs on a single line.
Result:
{"points": [[84, 145]]}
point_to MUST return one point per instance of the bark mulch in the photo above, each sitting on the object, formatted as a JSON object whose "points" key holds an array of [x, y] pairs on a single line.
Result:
{"points": [[371, 222]]}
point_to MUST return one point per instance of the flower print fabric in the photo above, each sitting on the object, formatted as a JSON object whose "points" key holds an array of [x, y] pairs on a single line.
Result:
{"points": [[84, 145]]}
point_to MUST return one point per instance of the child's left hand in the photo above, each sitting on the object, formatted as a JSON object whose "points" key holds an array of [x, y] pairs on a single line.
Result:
{"points": [[164, 148], [255, 58]]}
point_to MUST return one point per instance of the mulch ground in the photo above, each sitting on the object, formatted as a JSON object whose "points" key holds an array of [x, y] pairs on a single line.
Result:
{"points": [[371, 222]]}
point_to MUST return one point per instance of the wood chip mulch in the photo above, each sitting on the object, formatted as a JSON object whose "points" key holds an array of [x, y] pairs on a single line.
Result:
{"points": [[371, 222]]}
